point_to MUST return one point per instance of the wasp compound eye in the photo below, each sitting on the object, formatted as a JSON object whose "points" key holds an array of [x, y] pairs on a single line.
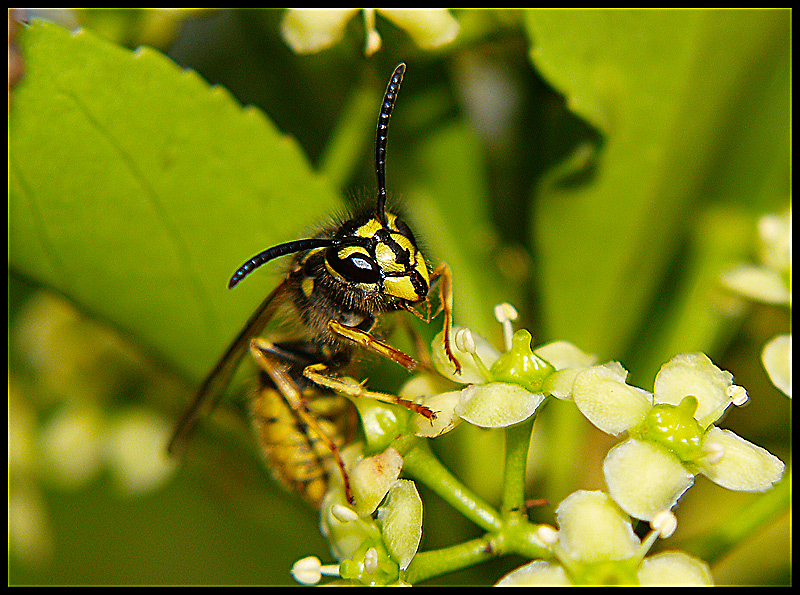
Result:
{"points": [[353, 264]]}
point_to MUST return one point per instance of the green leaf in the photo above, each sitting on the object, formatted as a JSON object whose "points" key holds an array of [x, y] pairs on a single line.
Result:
{"points": [[447, 185], [672, 93], [136, 190]]}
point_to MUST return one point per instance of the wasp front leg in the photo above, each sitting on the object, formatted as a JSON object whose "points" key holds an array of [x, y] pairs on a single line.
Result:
{"points": [[367, 341], [317, 373], [291, 448], [443, 274]]}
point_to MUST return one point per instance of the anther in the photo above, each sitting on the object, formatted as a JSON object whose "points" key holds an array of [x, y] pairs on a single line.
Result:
{"points": [[664, 522], [505, 314], [737, 395], [371, 560]]}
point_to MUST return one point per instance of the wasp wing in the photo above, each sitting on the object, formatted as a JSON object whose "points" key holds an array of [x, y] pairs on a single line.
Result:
{"points": [[213, 387]]}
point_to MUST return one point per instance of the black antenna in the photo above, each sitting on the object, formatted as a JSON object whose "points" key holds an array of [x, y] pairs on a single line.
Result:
{"points": [[380, 168], [383, 135], [275, 252], [290, 248]]}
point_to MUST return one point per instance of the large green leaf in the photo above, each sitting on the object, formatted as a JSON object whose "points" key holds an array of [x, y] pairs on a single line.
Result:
{"points": [[672, 94], [136, 190]]}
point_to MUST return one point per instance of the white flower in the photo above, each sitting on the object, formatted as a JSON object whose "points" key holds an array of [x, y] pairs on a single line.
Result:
{"points": [[308, 31], [671, 434], [597, 546], [777, 359], [503, 388], [377, 536], [769, 281]]}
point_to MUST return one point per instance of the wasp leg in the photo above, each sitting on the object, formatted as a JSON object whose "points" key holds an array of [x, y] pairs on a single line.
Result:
{"points": [[442, 272], [262, 352], [421, 349], [316, 373], [370, 343]]}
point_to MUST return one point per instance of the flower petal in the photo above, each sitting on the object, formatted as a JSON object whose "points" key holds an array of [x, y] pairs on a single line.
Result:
{"points": [[344, 536], [777, 359], [401, 519], [693, 374], [644, 479], [758, 283], [559, 384], [563, 354], [133, 449], [497, 404], [443, 405], [593, 528], [603, 397], [744, 466], [371, 477], [674, 568], [538, 572], [775, 235], [310, 30]]}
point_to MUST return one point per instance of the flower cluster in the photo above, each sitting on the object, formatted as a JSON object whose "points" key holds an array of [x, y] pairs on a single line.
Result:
{"points": [[671, 437], [371, 550], [770, 282], [606, 551], [671, 433], [308, 31]]}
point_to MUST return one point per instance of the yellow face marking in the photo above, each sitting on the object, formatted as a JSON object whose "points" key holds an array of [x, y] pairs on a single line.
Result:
{"points": [[348, 251], [387, 259], [402, 267], [369, 229], [400, 287]]}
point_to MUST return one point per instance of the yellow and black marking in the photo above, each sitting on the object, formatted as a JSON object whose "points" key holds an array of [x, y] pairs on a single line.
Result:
{"points": [[299, 458], [338, 283]]}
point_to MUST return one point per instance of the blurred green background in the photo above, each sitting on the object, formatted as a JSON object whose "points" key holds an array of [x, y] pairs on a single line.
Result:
{"points": [[598, 169]]}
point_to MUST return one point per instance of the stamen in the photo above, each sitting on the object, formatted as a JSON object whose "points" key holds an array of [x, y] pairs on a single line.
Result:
{"points": [[737, 395], [309, 571], [505, 314], [547, 535], [344, 513], [465, 341], [664, 522], [371, 560]]}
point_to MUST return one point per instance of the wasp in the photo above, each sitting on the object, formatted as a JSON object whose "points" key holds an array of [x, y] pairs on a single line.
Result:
{"points": [[338, 283]]}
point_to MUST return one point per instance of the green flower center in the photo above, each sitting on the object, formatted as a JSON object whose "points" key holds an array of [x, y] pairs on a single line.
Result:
{"points": [[521, 365], [605, 572], [675, 428]]}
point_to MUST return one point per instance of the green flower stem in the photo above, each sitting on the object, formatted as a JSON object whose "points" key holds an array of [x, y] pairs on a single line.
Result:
{"points": [[717, 542], [518, 438], [435, 562], [422, 464], [517, 537]]}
